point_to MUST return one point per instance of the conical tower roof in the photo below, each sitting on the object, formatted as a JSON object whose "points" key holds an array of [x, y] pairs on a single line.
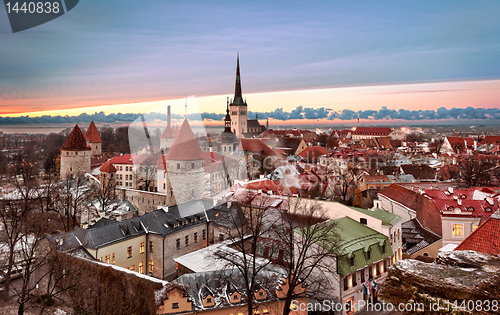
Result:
{"points": [[167, 133], [108, 167], [185, 146], [76, 141], [238, 96], [92, 134]]}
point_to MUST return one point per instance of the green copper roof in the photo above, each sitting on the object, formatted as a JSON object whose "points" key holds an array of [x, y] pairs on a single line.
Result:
{"points": [[356, 240], [381, 214]]}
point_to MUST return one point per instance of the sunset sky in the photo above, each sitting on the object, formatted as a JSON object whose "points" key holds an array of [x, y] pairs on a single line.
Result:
{"points": [[132, 56]]}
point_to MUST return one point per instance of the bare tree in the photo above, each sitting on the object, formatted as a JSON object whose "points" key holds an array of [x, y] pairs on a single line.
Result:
{"points": [[70, 199], [475, 171], [309, 247], [249, 222], [146, 172]]}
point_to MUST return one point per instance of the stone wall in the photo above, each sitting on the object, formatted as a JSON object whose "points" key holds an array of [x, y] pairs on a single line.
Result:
{"points": [[144, 201], [186, 181], [74, 162]]}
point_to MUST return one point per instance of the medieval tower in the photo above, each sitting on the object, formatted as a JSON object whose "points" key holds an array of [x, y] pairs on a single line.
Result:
{"points": [[167, 137], [75, 155], [185, 167], [93, 139], [238, 108]]}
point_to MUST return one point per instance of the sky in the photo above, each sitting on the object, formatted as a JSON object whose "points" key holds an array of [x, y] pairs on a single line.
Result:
{"points": [[329, 56]]}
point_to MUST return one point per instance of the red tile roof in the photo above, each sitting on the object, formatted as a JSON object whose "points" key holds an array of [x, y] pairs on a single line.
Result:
{"points": [[107, 167], [485, 239], [167, 133], [185, 146], [92, 134], [312, 153], [126, 159], [256, 146], [372, 131], [467, 142], [76, 141], [490, 140]]}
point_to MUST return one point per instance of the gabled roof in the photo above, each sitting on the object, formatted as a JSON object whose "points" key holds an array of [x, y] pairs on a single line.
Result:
{"points": [[422, 171], [490, 140], [108, 167], [76, 141], [486, 238], [312, 153], [92, 135], [416, 237], [185, 146], [256, 146]]}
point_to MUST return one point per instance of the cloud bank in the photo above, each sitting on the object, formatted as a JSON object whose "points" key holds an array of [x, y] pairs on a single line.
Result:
{"points": [[278, 114]]}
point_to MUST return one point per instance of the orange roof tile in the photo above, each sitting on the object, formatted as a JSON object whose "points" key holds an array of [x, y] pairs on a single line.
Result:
{"points": [[76, 141], [108, 167], [92, 134], [486, 238], [185, 146]]}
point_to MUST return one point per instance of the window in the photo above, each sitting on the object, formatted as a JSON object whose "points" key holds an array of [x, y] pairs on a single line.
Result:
{"points": [[192, 165], [141, 248], [474, 227], [383, 249], [204, 234], [221, 237], [178, 166], [346, 286], [113, 259], [141, 267], [363, 221], [369, 254], [132, 268], [186, 240], [129, 251], [175, 305], [209, 300], [178, 243], [151, 266], [106, 259], [351, 261], [150, 246], [195, 237], [235, 296], [458, 230], [385, 264], [261, 293], [363, 275]]}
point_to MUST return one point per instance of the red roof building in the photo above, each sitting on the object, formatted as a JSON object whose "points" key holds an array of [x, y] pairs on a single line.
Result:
{"points": [[108, 168], [185, 146], [486, 238], [92, 135], [311, 154], [256, 146], [76, 141]]}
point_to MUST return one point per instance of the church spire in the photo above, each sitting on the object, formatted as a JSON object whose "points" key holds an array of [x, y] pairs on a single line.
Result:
{"points": [[227, 120], [238, 98]]}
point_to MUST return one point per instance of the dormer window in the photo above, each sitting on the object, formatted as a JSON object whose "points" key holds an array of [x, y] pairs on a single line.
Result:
{"points": [[209, 300], [363, 221], [176, 225], [488, 209]]}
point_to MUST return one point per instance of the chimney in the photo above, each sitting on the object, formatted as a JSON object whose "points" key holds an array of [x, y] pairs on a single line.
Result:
{"points": [[454, 160], [450, 189], [487, 147], [459, 201], [168, 116], [489, 200]]}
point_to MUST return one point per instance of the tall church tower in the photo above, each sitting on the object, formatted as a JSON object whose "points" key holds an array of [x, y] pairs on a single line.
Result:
{"points": [[238, 108]]}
